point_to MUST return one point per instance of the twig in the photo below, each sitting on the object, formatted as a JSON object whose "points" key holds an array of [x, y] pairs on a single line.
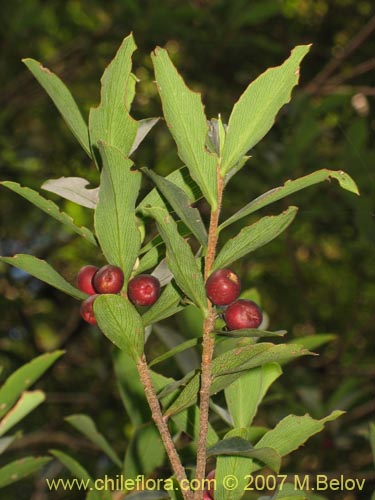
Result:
{"points": [[208, 345], [318, 82], [162, 426]]}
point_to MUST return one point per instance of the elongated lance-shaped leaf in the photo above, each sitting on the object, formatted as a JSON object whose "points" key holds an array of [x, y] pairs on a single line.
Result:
{"points": [[49, 208], [290, 187], [240, 447], [111, 122], [167, 305], [179, 201], [87, 427], [249, 332], [77, 470], [237, 466], [180, 258], [120, 322], [28, 401], [184, 114], [44, 272], [292, 432], [252, 237], [255, 112], [228, 367], [73, 189], [145, 452], [176, 350], [246, 393], [18, 469], [180, 178], [23, 378], [115, 222], [63, 100]]}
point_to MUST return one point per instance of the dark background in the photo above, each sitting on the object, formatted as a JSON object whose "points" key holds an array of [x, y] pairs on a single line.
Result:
{"points": [[318, 277]]}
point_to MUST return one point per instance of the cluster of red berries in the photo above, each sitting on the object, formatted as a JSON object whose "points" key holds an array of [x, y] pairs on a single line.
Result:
{"points": [[143, 290], [223, 288]]}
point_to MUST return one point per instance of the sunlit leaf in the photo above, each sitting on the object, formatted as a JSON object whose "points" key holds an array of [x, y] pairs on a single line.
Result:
{"points": [[115, 221], [290, 187], [255, 112], [184, 114], [119, 321]]}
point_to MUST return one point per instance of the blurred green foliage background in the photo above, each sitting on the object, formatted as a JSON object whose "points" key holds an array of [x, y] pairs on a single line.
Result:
{"points": [[316, 278]]}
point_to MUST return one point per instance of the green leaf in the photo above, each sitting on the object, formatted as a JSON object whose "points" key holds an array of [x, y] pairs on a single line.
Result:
{"points": [[290, 187], [255, 112], [73, 189], [49, 208], [252, 237], [111, 122], [228, 367], [180, 178], [292, 432], [246, 393], [87, 427], [150, 259], [44, 272], [63, 100], [179, 201], [144, 127], [78, 471], [238, 466], [180, 258], [171, 353], [239, 447], [115, 221], [250, 332], [119, 321], [145, 452], [167, 305], [184, 114], [187, 421], [28, 401], [14, 471], [72, 465], [23, 378], [372, 439], [312, 342]]}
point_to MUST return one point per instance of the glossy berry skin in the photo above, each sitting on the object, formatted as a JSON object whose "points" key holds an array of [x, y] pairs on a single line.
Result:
{"points": [[85, 279], [223, 287], [243, 314], [87, 310], [144, 290], [109, 279], [208, 493]]}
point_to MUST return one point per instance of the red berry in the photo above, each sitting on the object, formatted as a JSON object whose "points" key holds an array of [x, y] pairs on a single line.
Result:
{"points": [[85, 279], [87, 310], [209, 490], [223, 287], [243, 314], [144, 290], [109, 279]]}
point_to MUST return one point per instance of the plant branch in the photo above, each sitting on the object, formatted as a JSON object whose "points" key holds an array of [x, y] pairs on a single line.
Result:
{"points": [[162, 426], [208, 344]]}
